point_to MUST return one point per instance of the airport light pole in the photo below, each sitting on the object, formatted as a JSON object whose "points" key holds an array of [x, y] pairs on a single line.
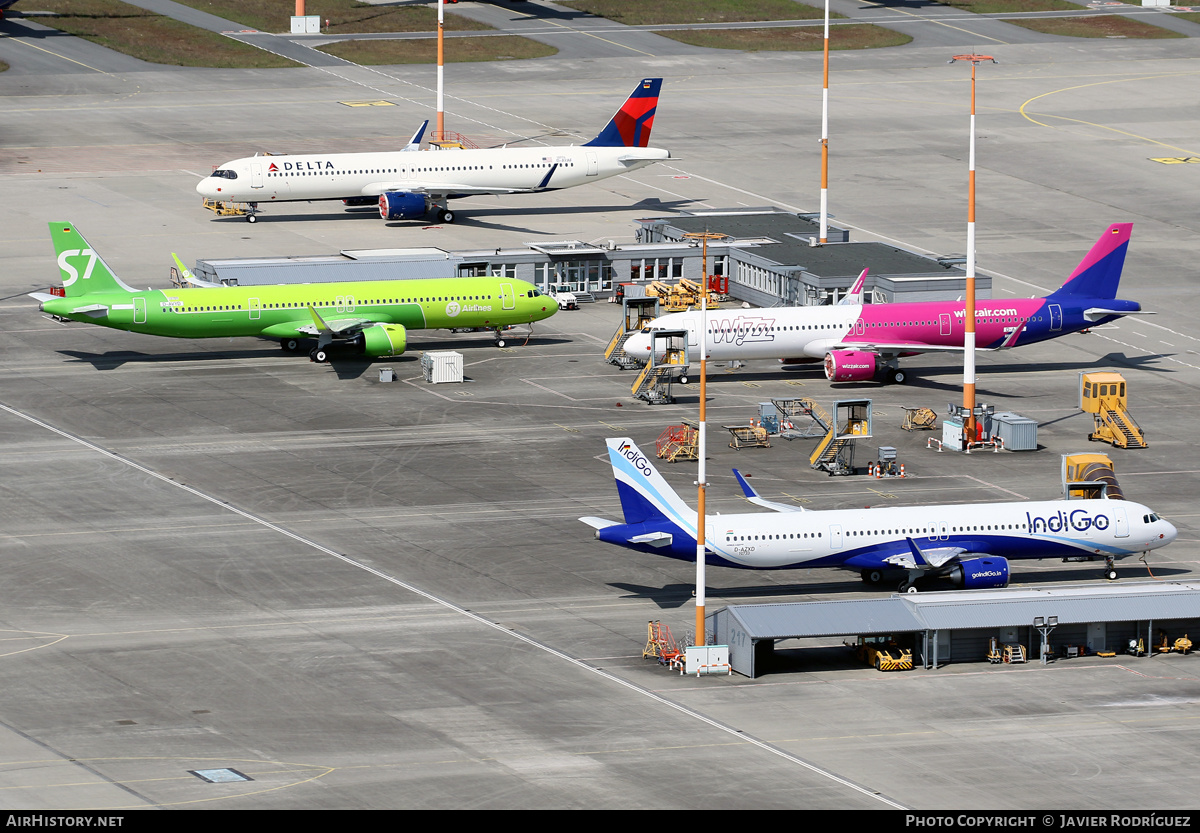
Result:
{"points": [[969, 428], [825, 138], [701, 439]]}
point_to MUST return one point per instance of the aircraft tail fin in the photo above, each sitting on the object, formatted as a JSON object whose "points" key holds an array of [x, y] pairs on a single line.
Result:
{"points": [[1099, 273], [630, 127], [645, 495], [83, 271]]}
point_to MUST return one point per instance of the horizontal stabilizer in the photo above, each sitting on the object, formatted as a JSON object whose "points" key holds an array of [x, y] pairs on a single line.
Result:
{"points": [[599, 523], [1096, 313], [654, 539], [42, 296]]}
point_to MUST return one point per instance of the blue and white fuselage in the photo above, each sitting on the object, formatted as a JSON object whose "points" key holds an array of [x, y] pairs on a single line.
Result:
{"points": [[921, 539]]}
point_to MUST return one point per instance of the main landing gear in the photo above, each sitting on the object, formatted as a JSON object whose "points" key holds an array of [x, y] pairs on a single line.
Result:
{"points": [[445, 215]]}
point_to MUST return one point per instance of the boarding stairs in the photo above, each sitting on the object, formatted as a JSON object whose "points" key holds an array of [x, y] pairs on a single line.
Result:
{"points": [[653, 384], [1119, 428], [615, 352], [801, 419]]}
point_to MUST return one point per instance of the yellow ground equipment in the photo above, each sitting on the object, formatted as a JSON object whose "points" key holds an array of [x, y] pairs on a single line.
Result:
{"points": [[653, 384], [678, 442], [1089, 476], [748, 436], [227, 209], [883, 653], [1102, 395], [638, 313], [851, 421], [919, 419], [661, 645], [680, 296]]}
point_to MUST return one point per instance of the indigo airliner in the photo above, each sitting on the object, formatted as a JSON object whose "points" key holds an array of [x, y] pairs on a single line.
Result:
{"points": [[860, 342], [969, 544]]}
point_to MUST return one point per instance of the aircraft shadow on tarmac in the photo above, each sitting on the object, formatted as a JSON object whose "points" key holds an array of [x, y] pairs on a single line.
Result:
{"points": [[674, 596], [466, 216]]}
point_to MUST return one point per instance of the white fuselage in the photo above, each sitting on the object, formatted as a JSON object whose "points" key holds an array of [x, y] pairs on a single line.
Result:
{"points": [[438, 173]]}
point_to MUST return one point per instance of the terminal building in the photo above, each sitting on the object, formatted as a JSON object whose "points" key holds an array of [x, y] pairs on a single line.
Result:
{"points": [[769, 256]]}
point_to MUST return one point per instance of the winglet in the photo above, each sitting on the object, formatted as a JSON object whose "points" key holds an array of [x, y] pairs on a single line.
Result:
{"points": [[747, 489], [855, 293], [318, 321], [541, 186], [755, 498], [415, 142]]}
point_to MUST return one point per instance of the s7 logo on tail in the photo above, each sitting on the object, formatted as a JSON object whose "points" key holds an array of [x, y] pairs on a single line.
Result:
{"points": [[70, 273]]}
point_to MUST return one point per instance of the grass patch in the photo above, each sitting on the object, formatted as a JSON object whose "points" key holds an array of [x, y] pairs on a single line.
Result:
{"points": [[152, 37], [1192, 16], [808, 39], [344, 16], [424, 50], [1104, 26], [1007, 6], [659, 12]]}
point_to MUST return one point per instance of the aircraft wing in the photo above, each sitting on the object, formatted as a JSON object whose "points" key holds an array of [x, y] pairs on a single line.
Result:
{"points": [[336, 327], [416, 186], [917, 558], [910, 346], [754, 497]]}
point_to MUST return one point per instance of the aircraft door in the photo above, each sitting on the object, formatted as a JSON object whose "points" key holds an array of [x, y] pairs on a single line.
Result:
{"points": [[943, 531], [255, 308], [139, 316], [835, 536], [1055, 318], [1120, 523], [691, 325], [256, 175], [945, 318], [860, 327], [591, 163], [508, 300]]}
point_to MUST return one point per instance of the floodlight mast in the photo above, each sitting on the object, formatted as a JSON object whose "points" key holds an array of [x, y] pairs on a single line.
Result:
{"points": [[701, 439], [970, 431], [825, 138], [441, 112]]}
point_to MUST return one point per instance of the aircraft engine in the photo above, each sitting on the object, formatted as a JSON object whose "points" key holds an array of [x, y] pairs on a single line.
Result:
{"points": [[849, 366], [355, 201], [383, 340], [401, 205], [976, 573]]}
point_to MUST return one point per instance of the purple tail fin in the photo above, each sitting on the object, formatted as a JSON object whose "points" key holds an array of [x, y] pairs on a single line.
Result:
{"points": [[1099, 273]]}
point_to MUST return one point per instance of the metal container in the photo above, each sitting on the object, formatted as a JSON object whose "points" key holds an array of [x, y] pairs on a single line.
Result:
{"points": [[1018, 433]]}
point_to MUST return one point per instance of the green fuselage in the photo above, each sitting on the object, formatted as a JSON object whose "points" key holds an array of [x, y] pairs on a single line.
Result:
{"points": [[282, 311]]}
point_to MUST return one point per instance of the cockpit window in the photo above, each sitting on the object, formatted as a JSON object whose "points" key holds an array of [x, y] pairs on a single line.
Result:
{"points": [[225, 174]]}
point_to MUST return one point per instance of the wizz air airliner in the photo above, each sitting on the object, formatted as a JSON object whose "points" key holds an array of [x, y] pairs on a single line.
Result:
{"points": [[969, 544], [410, 185], [860, 342]]}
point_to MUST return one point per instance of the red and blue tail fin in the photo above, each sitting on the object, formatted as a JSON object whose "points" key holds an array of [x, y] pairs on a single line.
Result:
{"points": [[1099, 273], [630, 127]]}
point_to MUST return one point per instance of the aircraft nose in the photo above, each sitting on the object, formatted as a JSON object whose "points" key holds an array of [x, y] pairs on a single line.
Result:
{"points": [[1169, 534]]}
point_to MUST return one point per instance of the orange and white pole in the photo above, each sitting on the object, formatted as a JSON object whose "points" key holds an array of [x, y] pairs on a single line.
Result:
{"points": [[825, 138], [969, 427], [441, 114]]}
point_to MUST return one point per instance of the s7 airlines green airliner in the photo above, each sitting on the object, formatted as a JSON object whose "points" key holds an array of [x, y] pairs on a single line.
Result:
{"points": [[371, 316]]}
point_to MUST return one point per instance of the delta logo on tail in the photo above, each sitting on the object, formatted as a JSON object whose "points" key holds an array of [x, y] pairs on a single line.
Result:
{"points": [[633, 122]]}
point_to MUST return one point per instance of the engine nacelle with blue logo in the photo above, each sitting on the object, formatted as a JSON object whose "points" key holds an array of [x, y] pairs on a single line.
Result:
{"points": [[980, 573], [401, 205], [849, 366], [383, 340]]}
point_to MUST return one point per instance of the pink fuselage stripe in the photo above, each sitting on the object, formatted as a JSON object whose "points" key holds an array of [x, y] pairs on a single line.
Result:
{"points": [[939, 324]]}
